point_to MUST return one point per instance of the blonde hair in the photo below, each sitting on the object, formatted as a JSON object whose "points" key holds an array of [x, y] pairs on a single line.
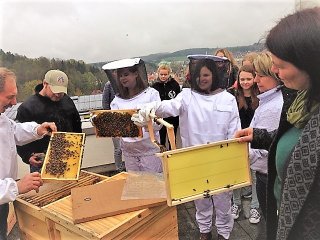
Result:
{"points": [[262, 65], [5, 73], [164, 66], [249, 57], [227, 54]]}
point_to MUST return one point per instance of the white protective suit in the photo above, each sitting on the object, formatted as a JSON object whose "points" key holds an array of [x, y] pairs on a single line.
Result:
{"points": [[203, 119], [139, 153]]}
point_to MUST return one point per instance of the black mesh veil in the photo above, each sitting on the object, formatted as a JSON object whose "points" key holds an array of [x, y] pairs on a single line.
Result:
{"points": [[222, 66], [113, 69]]}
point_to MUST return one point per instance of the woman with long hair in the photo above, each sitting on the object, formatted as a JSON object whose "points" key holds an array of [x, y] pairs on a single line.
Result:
{"points": [[293, 189]]}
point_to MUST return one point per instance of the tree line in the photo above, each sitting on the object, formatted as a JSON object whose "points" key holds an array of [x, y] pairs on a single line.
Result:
{"points": [[84, 79]]}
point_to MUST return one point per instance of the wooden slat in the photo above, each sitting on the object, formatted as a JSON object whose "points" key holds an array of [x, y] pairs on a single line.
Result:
{"points": [[45, 198]]}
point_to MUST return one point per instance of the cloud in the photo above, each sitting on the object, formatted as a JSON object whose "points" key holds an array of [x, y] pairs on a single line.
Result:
{"points": [[105, 30]]}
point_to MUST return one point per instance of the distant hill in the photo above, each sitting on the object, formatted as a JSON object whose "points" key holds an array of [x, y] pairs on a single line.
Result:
{"points": [[181, 55]]}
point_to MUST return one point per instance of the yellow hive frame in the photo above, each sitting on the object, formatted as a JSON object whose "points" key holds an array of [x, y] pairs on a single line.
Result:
{"points": [[200, 171], [74, 164]]}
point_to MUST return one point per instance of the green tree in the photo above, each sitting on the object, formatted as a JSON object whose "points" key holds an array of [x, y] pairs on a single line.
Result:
{"points": [[27, 89]]}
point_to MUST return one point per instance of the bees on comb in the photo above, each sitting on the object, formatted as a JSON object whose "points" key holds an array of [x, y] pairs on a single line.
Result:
{"points": [[115, 124]]}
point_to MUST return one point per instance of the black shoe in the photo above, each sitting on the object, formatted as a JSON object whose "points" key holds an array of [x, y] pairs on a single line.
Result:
{"points": [[206, 236]]}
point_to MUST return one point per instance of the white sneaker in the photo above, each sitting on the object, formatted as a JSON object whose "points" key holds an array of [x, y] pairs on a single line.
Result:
{"points": [[254, 216], [235, 211]]}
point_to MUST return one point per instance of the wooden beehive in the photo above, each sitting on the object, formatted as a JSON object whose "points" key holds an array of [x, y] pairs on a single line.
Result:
{"points": [[200, 171], [64, 156], [115, 123], [28, 207], [54, 220]]}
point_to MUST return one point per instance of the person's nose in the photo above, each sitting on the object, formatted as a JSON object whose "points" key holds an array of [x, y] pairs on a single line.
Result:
{"points": [[256, 79], [13, 101]]}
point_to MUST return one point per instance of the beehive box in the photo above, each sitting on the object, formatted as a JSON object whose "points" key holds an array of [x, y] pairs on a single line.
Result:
{"points": [[28, 207], [115, 123], [200, 171], [64, 156], [54, 220]]}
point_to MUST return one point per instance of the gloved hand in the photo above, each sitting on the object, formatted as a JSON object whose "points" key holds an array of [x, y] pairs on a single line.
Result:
{"points": [[143, 116], [92, 117], [139, 120]]}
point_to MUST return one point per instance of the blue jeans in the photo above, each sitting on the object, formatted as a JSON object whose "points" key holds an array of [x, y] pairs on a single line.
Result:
{"points": [[254, 199], [4, 211], [117, 154]]}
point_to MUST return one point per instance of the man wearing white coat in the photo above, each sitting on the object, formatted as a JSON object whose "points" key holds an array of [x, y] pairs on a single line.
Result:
{"points": [[12, 134]]}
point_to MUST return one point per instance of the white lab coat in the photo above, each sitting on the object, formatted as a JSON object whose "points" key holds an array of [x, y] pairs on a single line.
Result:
{"points": [[12, 134]]}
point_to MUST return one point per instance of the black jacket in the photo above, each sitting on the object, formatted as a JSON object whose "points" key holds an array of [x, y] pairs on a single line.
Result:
{"points": [[41, 109], [168, 90]]}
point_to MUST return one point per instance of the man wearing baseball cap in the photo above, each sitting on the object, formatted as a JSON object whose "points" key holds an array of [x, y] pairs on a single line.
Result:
{"points": [[50, 103], [57, 81]]}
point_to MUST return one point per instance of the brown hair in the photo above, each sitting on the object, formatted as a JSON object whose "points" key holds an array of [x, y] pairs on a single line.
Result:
{"points": [[124, 91], [295, 39], [254, 91], [227, 54]]}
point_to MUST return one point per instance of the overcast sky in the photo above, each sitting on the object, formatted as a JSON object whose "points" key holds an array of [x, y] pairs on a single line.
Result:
{"points": [[97, 30]]}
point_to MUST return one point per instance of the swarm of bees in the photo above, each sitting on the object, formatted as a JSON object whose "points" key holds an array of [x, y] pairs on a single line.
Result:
{"points": [[60, 149], [115, 124]]}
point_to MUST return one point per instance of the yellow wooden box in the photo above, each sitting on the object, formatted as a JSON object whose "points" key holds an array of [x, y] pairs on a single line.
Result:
{"points": [[73, 162], [200, 171], [54, 221]]}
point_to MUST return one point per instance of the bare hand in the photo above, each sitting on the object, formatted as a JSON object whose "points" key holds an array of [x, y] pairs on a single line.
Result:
{"points": [[31, 181], [36, 159], [46, 128], [244, 135]]}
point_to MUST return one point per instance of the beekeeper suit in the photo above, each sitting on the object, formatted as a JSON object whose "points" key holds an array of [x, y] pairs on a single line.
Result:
{"points": [[207, 113], [128, 78]]}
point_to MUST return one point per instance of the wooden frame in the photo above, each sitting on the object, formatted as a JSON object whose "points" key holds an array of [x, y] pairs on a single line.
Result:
{"points": [[130, 111], [73, 164], [201, 171]]}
